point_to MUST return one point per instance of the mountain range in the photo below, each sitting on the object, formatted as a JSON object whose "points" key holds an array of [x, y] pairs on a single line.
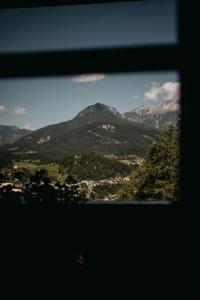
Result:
{"points": [[159, 115], [98, 128], [10, 134]]}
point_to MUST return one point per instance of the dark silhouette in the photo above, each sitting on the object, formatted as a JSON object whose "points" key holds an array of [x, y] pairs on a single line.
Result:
{"points": [[42, 191]]}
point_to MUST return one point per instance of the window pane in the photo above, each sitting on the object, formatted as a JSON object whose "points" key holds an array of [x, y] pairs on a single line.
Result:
{"points": [[109, 137], [90, 26]]}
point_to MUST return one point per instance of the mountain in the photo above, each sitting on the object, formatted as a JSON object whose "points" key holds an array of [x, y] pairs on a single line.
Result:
{"points": [[102, 138], [94, 113], [10, 134], [158, 115], [98, 128], [98, 113]]}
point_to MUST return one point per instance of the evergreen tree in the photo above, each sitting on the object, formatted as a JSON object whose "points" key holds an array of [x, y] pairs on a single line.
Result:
{"points": [[157, 178]]}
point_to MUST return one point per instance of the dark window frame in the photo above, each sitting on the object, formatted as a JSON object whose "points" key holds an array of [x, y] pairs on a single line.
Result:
{"points": [[112, 60]]}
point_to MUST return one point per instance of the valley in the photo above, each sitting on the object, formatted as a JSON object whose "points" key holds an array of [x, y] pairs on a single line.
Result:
{"points": [[93, 156]]}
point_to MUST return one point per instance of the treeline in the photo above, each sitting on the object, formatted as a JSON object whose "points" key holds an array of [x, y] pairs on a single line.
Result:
{"points": [[92, 166], [40, 191], [5, 159], [157, 178], [106, 190]]}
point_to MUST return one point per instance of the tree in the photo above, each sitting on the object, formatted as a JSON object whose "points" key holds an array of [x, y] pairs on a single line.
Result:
{"points": [[70, 180], [40, 175], [20, 175], [2, 177], [157, 178]]}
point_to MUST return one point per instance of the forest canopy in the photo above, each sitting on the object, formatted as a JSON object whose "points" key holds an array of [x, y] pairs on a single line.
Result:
{"points": [[157, 178]]}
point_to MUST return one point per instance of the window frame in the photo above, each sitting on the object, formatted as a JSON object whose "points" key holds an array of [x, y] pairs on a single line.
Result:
{"points": [[112, 60]]}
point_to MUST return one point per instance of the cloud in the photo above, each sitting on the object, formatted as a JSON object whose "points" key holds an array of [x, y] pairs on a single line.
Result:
{"points": [[166, 91], [18, 111], [88, 77], [27, 126], [2, 109]]}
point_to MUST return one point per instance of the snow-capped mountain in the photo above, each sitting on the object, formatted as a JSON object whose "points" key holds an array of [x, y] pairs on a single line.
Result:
{"points": [[156, 115]]}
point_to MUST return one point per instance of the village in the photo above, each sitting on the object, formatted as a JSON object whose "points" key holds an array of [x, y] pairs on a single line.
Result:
{"points": [[21, 176], [85, 186]]}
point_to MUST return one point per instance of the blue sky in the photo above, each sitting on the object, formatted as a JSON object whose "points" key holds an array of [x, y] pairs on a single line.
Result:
{"points": [[38, 102]]}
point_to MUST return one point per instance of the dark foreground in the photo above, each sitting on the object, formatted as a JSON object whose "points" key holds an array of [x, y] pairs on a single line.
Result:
{"points": [[87, 251]]}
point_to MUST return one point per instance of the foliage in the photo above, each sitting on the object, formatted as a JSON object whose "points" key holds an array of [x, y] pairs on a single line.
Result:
{"points": [[38, 189], [106, 190], [125, 138], [5, 159], [39, 176], [157, 178], [34, 166], [94, 167]]}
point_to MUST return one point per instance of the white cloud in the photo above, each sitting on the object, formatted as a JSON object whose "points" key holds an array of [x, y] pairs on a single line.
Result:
{"points": [[2, 109], [166, 91], [88, 78], [172, 90], [19, 111], [28, 126], [152, 94]]}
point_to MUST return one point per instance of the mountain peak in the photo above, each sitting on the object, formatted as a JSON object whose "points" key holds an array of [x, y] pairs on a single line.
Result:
{"points": [[99, 105], [162, 107], [99, 108], [158, 115], [94, 107], [97, 128]]}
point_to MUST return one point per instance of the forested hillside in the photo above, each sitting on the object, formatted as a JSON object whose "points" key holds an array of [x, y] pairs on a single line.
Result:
{"points": [[157, 178], [95, 167]]}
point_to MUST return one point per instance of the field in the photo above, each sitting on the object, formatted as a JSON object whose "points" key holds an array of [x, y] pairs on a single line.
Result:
{"points": [[51, 168], [126, 161]]}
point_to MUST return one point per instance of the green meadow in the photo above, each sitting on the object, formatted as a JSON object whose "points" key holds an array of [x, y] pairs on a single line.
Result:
{"points": [[52, 168]]}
